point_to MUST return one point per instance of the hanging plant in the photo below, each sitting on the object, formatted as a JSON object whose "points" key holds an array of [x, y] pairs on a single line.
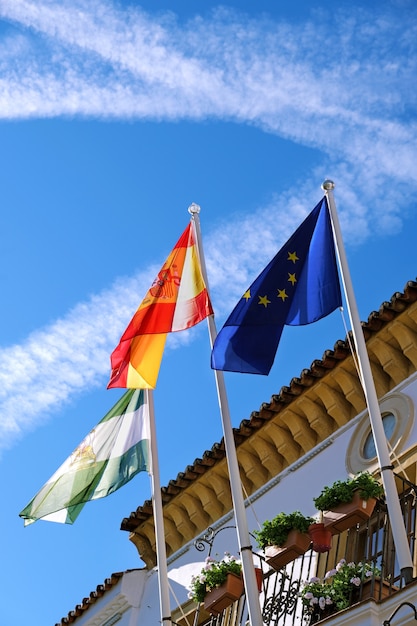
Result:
{"points": [[334, 592], [275, 532], [341, 491], [213, 574]]}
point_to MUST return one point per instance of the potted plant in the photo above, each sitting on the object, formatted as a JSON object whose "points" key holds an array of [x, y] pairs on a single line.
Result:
{"points": [[220, 583], [337, 590], [348, 502], [284, 538], [320, 536]]}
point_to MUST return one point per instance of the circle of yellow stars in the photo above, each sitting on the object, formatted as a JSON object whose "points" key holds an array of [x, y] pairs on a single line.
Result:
{"points": [[282, 294]]}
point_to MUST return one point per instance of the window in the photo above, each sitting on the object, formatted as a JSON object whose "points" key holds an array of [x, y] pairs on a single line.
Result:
{"points": [[397, 418], [389, 422]]}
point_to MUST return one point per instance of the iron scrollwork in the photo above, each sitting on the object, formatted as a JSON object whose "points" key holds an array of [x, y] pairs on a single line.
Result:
{"points": [[208, 538], [282, 603]]}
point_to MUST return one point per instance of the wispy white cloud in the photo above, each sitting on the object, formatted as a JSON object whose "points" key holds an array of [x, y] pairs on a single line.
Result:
{"points": [[265, 73], [55, 368], [343, 85]]}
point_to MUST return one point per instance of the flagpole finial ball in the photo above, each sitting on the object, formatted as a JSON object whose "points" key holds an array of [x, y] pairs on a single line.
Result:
{"points": [[328, 185], [194, 208]]}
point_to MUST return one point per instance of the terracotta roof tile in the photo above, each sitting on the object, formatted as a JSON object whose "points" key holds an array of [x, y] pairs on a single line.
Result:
{"points": [[92, 598]]}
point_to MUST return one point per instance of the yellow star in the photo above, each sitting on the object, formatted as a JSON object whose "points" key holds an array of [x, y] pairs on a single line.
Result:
{"points": [[282, 294], [264, 300], [291, 278], [292, 256], [246, 295]]}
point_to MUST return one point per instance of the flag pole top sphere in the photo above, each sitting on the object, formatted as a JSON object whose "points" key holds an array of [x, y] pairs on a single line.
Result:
{"points": [[194, 208], [328, 185]]}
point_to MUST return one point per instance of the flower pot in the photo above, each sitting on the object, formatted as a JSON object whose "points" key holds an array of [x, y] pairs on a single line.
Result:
{"points": [[377, 589], [321, 537], [220, 598], [296, 544], [317, 615], [347, 515], [259, 578]]}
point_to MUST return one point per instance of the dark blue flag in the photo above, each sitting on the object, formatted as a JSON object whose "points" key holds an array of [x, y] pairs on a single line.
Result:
{"points": [[299, 286]]}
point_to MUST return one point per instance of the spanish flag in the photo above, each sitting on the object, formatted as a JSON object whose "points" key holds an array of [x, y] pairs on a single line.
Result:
{"points": [[177, 299]]}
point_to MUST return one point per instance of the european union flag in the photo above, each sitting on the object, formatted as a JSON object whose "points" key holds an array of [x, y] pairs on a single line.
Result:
{"points": [[299, 286]]}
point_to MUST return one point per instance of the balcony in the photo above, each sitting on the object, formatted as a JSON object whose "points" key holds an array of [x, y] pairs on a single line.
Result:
{"points": [[281, 604]]}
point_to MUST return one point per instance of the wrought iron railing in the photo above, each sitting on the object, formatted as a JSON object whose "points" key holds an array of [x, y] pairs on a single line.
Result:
{"points": [[372, 542]]}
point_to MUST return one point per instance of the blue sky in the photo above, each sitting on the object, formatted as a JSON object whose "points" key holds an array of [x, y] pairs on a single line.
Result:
{"points": [[114, 118]]}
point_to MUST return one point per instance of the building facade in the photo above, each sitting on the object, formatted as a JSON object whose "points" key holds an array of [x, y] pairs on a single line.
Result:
{"points": [[314, 431]]}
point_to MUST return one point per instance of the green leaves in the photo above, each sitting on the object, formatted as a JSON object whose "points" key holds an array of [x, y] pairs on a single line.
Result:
{"points": [[213, 574], [275, 532], [342, 491], [337, 587]]}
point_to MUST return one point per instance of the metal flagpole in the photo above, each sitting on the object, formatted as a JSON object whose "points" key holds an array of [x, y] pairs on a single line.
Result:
{"points": [[245, 548], [393, 504], [158, 517]]}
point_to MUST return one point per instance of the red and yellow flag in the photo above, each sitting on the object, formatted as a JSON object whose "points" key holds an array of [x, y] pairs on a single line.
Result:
{"points": [[177, 300]]}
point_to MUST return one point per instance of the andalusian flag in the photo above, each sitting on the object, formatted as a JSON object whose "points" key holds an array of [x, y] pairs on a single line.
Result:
{"points": [[112, 454], [177, 300]]}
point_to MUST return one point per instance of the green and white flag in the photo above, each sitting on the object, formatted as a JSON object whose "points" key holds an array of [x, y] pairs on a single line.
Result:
{"points": [[112, 453]]}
